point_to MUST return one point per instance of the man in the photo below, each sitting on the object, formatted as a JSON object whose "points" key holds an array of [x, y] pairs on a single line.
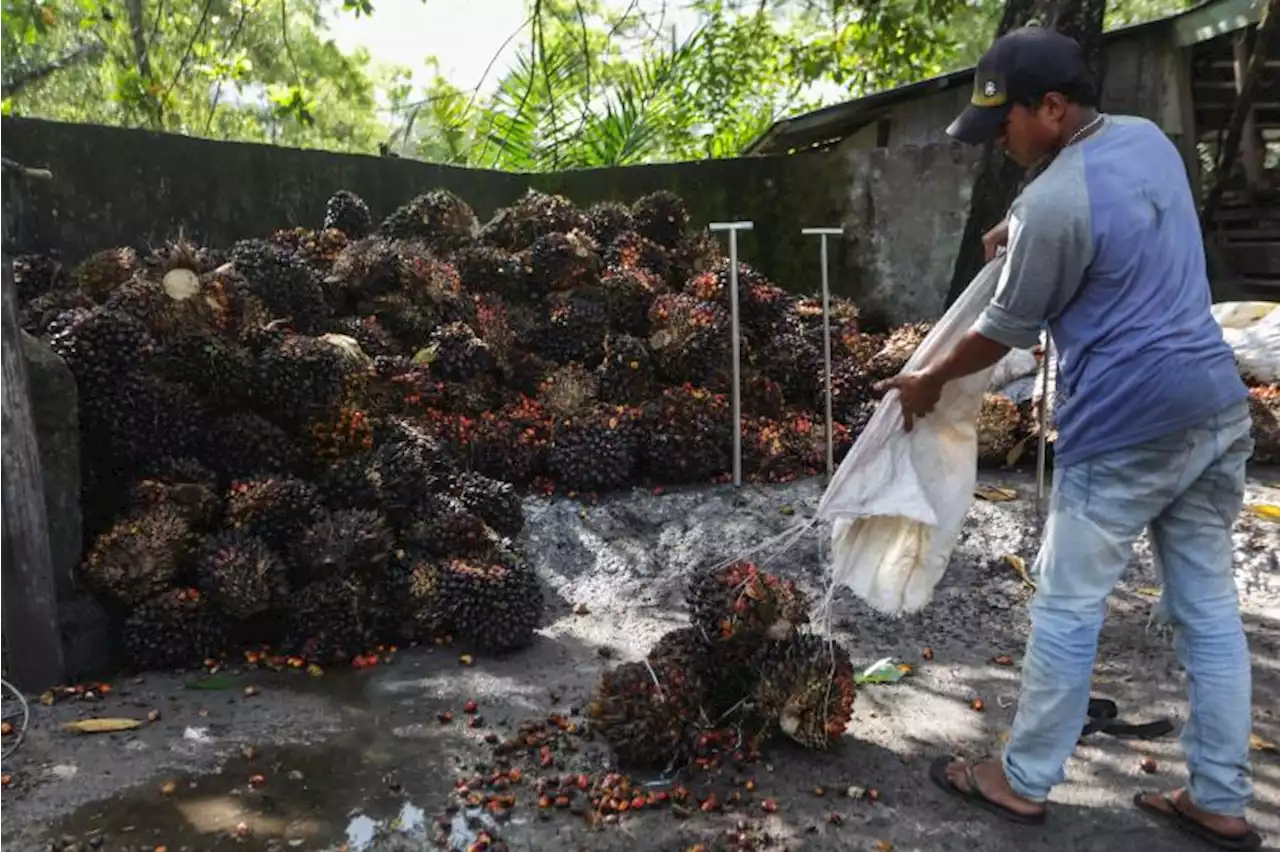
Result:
{"points": [[1104, 247]]}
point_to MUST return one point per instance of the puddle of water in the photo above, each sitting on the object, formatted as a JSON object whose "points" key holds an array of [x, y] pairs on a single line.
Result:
{"points": [[305, 797]]}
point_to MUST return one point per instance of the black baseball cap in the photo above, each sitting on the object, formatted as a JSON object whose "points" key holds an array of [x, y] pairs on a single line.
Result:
{"points": [[1021, 64]]}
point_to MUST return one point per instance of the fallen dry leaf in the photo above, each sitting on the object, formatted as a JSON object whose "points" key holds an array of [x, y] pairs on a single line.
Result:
{"points": [[883, 846], [102, 726], [994, 493], [1266, 511], [168, 788], [1019, 565], [1257, 743], [1149, 591]]}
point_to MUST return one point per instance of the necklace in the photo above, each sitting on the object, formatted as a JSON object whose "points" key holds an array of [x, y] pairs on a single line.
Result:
{"points": [[1085, 128]]}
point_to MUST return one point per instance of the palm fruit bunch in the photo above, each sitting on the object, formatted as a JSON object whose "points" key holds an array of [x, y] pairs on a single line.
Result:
{"points": [[489, 269], [459, 354], [762, 305], [241, 574], [277, 509], [626, 373], [897, 349], [492, 601], [1264, 406], [183, 484], [102, 272], [243, 445], [607, 219], [495, 502], [647, 712], [347, 212], [36, 275], [139, 556], [178, 627], [330, 620], [631, 252], [356, 402], [806, 689], [99, 345], [516, 228], [691, 340], [560, 261], [423, 615], [575, 329], [796, 364], [439, 217], [1001, 429], [511, 443], [343, 542], [740, 600], [628, 296], [662, 217], [737, 609], [690, 437], [286, 285], [598, 450], [850, 389], [302, 379]]}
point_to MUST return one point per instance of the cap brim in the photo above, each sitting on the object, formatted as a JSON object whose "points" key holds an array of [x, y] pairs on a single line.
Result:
{"points": [[977, 125]]}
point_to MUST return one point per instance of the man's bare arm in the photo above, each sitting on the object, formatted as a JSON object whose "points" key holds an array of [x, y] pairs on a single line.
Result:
{"points": [[973, 353]]}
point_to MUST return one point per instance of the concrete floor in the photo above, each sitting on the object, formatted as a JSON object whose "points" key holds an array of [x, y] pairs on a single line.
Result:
{"points": [[359, 757]]}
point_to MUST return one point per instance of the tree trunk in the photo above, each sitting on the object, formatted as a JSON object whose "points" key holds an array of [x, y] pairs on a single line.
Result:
{"points": [[999, 178], [1267, 26]]}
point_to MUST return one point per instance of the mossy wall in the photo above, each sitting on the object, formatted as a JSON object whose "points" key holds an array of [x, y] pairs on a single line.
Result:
{"points": [[113, 186]]}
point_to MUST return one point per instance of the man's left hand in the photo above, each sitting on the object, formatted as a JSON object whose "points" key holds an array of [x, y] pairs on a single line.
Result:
{"points": [[919, 390]]}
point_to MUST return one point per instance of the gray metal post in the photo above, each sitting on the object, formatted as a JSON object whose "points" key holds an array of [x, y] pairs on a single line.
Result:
{"points": [[733, 228], [826, 339]]}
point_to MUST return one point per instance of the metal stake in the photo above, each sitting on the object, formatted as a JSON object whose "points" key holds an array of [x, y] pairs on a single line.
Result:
{"points": [[733, 228], [826, 339], [1043, 413]]}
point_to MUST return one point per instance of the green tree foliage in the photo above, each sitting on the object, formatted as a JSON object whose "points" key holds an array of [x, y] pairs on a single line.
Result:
{"points": [[254, 70], [593, 82]]}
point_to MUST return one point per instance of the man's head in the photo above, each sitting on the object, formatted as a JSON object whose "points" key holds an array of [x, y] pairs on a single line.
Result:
{"points": [[1028, 93]]}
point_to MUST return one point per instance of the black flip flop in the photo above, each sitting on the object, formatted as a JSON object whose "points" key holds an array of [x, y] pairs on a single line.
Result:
{"points": [[974, 795], [1247, 842]]}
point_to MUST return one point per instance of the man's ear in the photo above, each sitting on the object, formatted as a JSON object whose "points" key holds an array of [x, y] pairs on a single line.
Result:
{"points": [[1055, 105]]}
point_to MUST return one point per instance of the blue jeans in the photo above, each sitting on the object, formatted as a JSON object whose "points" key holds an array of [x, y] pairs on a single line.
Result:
{"points": [[1186, 489]]}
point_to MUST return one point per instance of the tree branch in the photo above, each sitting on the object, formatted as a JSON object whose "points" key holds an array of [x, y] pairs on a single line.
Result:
{"points": [[83, 53]]}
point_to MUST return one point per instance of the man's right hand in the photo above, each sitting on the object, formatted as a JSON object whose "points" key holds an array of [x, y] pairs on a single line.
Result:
{"points": [[995, 238]]}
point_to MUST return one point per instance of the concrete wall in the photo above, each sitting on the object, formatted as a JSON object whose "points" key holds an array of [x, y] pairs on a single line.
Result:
{"points": [[902, 209], [1142, 79]]}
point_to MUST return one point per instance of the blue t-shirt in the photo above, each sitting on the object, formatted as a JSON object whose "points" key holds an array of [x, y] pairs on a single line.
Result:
{"points": [[1105, 247]]}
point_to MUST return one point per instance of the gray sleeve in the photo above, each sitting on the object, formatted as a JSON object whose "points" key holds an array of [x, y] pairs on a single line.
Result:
{"points": [[1050, 246]]}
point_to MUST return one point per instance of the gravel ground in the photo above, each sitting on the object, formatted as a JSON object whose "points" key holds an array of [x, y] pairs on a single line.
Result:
{"points": [[359, 757]]}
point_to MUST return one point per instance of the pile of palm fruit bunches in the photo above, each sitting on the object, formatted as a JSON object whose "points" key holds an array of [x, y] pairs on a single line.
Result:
{"points": [[318, 440], [746, 668]]}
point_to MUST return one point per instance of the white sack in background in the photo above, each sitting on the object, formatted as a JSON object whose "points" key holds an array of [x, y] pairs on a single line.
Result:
{"points": [[1252, 330], [899, 498]]}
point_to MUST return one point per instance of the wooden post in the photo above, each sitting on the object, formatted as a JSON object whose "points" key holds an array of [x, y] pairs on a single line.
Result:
{"points": [[1241, 54], [1267, 26], [33, 638]]}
